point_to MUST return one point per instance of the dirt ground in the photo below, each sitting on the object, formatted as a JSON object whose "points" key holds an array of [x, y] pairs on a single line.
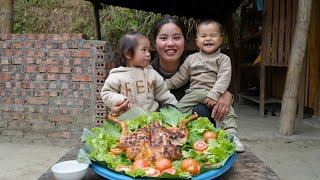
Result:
{"points": [[27, 161], [293, 157], [290, 160]]}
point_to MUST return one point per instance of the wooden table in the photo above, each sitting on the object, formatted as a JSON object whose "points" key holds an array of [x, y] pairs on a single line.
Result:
{"points": [[247, 166]]}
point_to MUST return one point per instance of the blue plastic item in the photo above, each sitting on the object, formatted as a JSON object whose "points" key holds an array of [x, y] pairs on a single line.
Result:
{"points": [[259, 5], [212, 174]]}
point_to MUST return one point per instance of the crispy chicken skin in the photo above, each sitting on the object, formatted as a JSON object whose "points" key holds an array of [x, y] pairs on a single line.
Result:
{"points": [[154, 141]]}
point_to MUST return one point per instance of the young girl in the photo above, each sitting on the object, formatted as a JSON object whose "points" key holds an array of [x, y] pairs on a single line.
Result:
{"points": [[135, 82]]}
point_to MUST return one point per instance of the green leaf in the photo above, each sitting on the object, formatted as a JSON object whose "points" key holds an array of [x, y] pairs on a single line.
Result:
{"points": [[138, 172], [112, 129], [143, 120], [137, 122], [172, 115], [83, 157], [132, 113], [201, 125], [85, 134], [193, 137]]}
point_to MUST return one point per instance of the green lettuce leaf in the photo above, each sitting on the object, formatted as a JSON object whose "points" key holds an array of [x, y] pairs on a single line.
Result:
{"points": [[201, 125], [83, 157], [172, 115], [193, 137], [132, 113], [112, 129], [98, 141], [137, 173], [85, 134], [220, 150], [143, 120]]}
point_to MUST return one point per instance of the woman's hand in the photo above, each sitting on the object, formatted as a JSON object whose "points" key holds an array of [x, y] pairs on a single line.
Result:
{"points": [[222, 106], [210, 102], [120, 107]]}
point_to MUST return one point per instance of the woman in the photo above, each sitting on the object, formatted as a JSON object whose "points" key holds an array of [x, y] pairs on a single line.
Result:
{"points": [[170, 44]]}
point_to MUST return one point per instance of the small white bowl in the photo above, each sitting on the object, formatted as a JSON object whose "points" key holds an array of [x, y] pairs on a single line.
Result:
{"points": [[69, 170]]}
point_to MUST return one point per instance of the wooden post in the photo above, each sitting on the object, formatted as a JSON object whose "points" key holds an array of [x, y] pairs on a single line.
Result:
{"points": [[96, 7], [262, 88], [233, 56], [6, 16], [297, 53]]}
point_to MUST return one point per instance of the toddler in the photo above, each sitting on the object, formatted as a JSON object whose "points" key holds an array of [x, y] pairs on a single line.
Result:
{"points": [[209, 73], [135, 80]]}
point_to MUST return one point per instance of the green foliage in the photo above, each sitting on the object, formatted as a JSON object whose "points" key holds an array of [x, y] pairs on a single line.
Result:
{"points": [[53, 16], [117, 21], [76, 16]]}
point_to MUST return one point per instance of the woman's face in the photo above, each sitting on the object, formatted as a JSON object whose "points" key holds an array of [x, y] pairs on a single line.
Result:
{"points": [[170, 42]]}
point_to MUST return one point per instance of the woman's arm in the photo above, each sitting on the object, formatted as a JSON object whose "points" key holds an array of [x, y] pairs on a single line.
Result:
{"points": [[222, 106]]}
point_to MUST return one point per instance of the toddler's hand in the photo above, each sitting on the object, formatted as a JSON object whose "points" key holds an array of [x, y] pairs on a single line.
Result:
{"points": [[210, 102], [120, 107]]}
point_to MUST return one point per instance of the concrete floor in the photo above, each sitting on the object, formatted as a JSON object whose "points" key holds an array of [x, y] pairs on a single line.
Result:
{"points": [[294, 157]]}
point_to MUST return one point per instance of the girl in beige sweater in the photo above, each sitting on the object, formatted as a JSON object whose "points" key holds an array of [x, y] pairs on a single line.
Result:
{"points": [[136, 81]]}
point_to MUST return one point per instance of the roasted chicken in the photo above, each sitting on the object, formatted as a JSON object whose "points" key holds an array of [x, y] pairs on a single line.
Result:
{"points": [[154, 141]]}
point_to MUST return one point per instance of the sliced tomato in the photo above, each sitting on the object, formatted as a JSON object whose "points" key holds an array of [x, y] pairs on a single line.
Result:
{"points": [[151, 172], [140, 164], [169, 171], [209, 135], [190, 165], [116, 151], [162, 164], [122, 168], [200, 145]]}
